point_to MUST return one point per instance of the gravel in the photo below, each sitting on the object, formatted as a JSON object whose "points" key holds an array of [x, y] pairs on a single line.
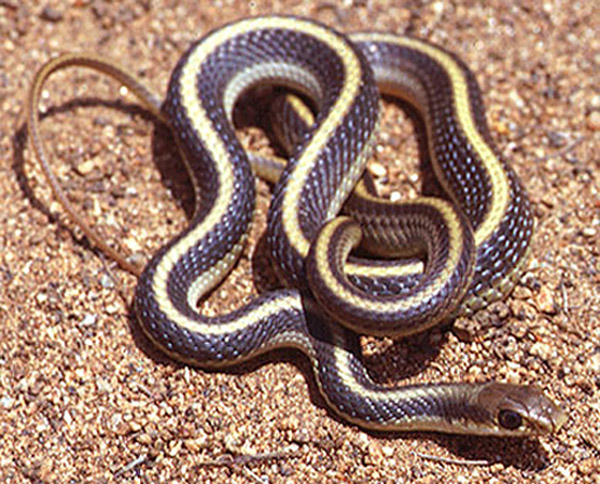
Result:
{"points": [[84, 398]]}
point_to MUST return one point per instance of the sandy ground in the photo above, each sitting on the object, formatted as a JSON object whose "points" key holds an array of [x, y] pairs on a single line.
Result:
{"points": [[84, 398]]}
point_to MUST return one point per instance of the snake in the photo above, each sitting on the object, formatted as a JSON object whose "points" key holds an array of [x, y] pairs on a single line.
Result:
{"points": [[419, 262]]}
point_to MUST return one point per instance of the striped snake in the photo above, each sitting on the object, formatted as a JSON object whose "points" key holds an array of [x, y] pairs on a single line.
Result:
{"points": [[474, 245]]}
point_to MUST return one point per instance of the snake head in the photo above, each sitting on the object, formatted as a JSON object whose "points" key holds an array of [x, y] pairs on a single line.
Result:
{"points": [[519, 410]]}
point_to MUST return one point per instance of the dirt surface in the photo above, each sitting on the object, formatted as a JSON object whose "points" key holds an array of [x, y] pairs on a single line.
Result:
{"points": [[84, 398]]}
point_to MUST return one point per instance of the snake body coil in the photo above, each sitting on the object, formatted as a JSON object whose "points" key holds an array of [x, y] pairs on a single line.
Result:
{"points": [[474, 246]]}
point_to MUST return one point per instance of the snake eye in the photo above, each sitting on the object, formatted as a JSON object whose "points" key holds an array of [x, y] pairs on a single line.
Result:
{"points": [[509, 420]]}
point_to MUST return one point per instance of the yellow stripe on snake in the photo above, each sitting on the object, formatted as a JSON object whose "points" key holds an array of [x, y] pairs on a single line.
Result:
{"points": [[474, 245]]}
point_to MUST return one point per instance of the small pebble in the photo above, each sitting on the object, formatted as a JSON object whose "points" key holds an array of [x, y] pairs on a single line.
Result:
{"points": [[501, 128], [197, 444], [112, 309], [120, 427], [290, 423], [512, 376], [144, 438], [395, 196], [302, 436], [174, 448], [545, 301], [516, 99], [475, 372], [132, 245], [375, 453], [388, 451], [542, 350], [86, 167], [88, 320], [106, 281], [521, 292], [593, 120], [377, 169], [361, 441], [594, 363], [51, 14], [589, 232], [135, 426]]}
